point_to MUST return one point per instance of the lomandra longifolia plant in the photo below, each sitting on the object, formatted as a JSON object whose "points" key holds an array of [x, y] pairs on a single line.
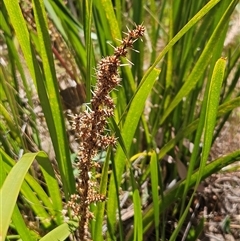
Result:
{"points": [[90, 127]]}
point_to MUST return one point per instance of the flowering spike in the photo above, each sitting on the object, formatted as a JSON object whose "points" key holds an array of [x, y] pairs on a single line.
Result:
{"points": [[91, 125]]}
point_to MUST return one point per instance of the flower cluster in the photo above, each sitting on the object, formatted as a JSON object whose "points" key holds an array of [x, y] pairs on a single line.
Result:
{"points": [[90, 127]]}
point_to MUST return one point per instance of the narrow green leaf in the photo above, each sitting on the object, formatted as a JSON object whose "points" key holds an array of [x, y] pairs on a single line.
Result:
{"points": [[203, 61], [61, 232], [48, 91], [53, 188], [102, 28], [70, 29], [3, 172], [170, 61], [34, 194], [176, 192], [138, 58], [21, 226], [89, 49], [118, 134], [129, 128], [185, 132], [22, 34], [155, 187], [99, 215], [138, 228], [119, 12], [137, 225], [112, 21], [13, 182], [54, 113], [204, 118], [14, 52], [178, 36], [211, 110]]}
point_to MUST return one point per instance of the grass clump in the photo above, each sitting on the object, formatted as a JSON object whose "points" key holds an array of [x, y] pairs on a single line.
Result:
{"points": [[144, 146]]}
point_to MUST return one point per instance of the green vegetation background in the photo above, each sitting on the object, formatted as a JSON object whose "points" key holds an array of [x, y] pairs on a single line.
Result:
{"points": [[181, 88]]}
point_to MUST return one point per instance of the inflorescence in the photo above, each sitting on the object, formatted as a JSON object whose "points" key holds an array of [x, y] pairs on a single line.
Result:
{"points": [[90, 128]]}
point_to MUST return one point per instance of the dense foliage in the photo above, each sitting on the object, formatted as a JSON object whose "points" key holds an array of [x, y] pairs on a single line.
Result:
{"points": [[177, 89]]}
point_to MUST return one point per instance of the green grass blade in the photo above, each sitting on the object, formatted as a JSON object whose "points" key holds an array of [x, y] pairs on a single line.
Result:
{"points": [[20, 225], [48, 91], [101, 24], [112, 20], [54, 115], [116, 129], [203, 61], [129, 128], [211, 111], [70, 29], [138, 228], [196, 149], [185, 132], [5, 26], [179, 35], [119, 12], [155, 187], [138, 58], [176, 192], [170, 52], [137, 225], [53, 188], [34, 194], [3, 173], [206, 109], [99, 214], [13, 182], [89, 49], [22, 34], [61, 232]]}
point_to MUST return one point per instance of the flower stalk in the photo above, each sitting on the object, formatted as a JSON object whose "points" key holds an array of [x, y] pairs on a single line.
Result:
{"points": [[90, 128]]}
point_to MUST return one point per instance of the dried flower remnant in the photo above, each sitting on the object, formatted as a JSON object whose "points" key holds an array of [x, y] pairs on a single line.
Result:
{"points": [[90, 126]]}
